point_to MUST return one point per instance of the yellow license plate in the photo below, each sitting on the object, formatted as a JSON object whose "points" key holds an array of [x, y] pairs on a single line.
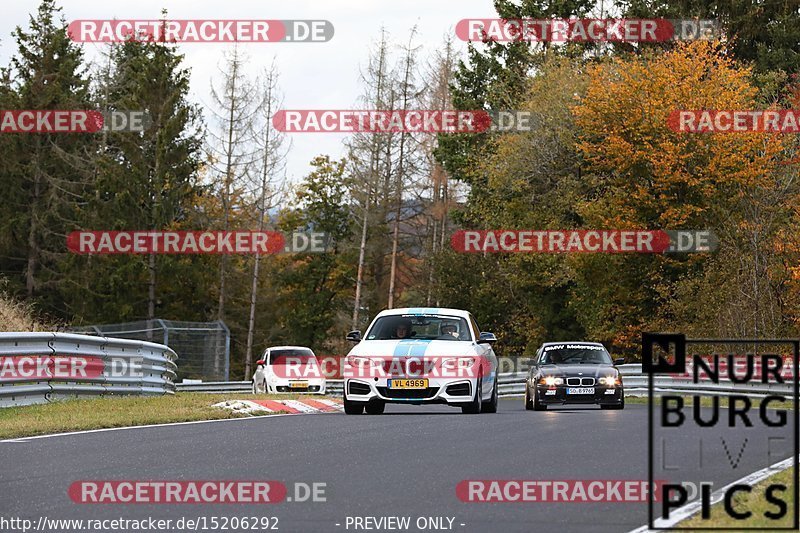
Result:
{"points": [[408, 383], [299, 385]]}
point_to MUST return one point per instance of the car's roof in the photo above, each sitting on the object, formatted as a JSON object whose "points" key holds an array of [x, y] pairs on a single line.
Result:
{"points": [[290, 348], [425, 311]]}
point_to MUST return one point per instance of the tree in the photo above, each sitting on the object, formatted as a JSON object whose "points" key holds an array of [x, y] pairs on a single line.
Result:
{"points": [[44, 189], [147, 180], [231, 151], [438, 97], [643, 175], [764, 33], [532, 180], [366, 153], [408, 96], [315, 287], [271, 162]]}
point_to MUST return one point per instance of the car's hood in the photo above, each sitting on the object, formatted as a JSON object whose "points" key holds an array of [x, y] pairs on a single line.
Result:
{"points": [[577, 370], [413, 348]]}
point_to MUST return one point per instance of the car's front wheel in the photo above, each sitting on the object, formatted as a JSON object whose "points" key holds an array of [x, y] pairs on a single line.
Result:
{"points": [[528, 403], [352, 408], [474, 407], [538, 405], [491, 405]]}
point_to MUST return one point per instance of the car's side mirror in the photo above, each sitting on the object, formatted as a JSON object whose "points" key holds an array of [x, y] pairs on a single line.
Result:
{"points": [[260, 362], [486, 338], [619, 361], [354, 336]]}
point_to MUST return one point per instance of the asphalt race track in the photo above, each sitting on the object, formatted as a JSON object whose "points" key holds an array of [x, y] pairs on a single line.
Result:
{"points": [[406, 462]]}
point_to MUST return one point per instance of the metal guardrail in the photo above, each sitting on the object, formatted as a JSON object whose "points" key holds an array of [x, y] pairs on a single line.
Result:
{"points": [[513, 384], [42, 367]]}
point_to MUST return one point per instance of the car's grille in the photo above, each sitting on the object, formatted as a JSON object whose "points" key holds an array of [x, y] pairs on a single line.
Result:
{"points": [[580, 382], [358, 388], [415, 394], [459, 389]]}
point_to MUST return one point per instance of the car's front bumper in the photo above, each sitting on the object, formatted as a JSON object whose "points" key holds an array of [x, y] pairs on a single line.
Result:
{"points": [[557, 395], [439, 391], [313, 386]]}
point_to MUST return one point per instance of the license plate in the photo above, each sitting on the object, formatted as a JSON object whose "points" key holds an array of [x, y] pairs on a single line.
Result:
{"points": [[298, 384], [408, 383], [580, 390]]}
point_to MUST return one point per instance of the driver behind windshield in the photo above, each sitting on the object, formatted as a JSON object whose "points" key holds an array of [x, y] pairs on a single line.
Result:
{"points": [[402, 330]]}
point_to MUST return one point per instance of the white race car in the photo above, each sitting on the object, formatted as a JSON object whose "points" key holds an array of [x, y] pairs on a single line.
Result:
{"points": [[288, 369], [421, 356]]}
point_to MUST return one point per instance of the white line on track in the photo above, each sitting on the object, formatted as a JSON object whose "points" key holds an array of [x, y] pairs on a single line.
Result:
{"points": [[682, 513]]}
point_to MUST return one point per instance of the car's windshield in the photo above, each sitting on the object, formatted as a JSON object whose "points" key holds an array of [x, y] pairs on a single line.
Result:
{"points": [[283, 357], [568, 354], [422, 327]]}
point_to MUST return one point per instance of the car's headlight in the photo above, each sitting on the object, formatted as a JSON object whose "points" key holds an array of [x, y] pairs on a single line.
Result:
{"points": [[609, 381], [452, 363], [551, 381], [363, 362]]}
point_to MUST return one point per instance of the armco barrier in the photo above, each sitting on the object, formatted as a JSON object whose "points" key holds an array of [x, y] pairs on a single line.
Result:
{"points": [[124, 367], [513, 384]]}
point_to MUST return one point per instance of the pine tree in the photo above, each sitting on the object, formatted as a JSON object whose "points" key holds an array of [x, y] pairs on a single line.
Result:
{"points": [[148, 180], [43, 187]]}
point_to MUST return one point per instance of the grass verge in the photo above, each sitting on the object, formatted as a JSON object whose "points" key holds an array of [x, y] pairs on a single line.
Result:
{"points": [[121, 411], [706, 401], [756, 503]]}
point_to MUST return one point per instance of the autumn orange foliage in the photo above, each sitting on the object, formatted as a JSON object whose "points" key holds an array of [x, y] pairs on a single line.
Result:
{"points": [[657, 177]]}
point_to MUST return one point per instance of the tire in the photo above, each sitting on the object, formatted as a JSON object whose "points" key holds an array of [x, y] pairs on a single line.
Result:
{"points": [[474, 407], [528, 403], [255, 388], [537, 405], [491, 405], [375, 408], [352, 408]]}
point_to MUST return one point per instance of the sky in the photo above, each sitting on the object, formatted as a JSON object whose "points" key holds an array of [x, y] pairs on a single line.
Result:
{"points": [[312, 75]]}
